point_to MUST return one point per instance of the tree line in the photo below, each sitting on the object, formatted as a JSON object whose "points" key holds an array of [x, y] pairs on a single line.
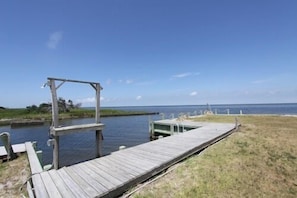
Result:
{"points": [[63, 106]]}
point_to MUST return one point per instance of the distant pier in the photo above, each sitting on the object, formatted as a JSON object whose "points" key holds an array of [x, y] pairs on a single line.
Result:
{"points": [[171, 127]]}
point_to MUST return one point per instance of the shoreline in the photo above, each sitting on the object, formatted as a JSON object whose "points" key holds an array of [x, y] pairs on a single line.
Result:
{"points": [[20, 122]]}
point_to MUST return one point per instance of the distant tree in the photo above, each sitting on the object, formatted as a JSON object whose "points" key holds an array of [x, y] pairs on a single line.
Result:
{"points": [[2, 108], [45, 107], [70, 104], [62, 105], [77, 106], [32, 109]]}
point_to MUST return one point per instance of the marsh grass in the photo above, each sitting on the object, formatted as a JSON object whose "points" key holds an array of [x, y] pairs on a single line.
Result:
{"points": [[7, 115], [260, 160], [73, 113]]}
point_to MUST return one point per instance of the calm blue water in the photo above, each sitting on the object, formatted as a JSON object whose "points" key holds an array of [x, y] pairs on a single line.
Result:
{"points": [[128, 130]]}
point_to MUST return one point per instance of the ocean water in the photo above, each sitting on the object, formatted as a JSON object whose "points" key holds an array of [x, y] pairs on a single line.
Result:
{"points": [[127, 130]]}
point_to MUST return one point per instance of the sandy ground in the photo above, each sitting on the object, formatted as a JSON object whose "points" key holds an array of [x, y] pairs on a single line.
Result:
{"points": [[13, 176]]}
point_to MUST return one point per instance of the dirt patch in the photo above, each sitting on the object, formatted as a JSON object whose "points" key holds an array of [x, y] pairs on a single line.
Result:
{"points": [[13, 176]]}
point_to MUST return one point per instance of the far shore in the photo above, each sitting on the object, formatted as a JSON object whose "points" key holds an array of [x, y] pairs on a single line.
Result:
{"points": [[35, 119]]}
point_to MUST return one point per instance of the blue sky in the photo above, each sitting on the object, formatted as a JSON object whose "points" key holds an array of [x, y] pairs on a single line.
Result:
{"points": [[170, 52]]}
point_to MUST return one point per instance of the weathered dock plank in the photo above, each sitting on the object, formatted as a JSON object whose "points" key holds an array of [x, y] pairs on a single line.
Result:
{"points": [[82, 181], [109, 169], [89, 175], [75, 188], [17, 148], [50, 185], [39, 186], [112, 175], [121, 164], [132, 161], [34, 162], [60, 184], [150, 155]]}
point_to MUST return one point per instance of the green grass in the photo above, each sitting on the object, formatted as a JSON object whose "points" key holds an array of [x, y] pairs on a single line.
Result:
{"points": [[6, 115], [260, 160], [74, 113], [12, 113]]}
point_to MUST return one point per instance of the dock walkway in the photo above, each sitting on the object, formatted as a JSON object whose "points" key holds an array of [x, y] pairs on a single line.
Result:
{"points": [[112, 175]]}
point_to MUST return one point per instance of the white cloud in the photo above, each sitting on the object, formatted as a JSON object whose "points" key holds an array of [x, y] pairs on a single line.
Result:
{"points": [[260, 81], [108, 81], [182, 75], [274, 92], [88, 100], [127, 81], [194, 93], [138, 97], [147, 82], [107, 100], [54, 39], [186, 74]]}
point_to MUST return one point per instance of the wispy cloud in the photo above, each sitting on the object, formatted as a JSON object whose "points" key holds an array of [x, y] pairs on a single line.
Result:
{"points": [[54, 40], [108, 81], [88, 100], [182, 75], [186, 74], [107, 100], [127, 81], [147, 82], [138, 97], [274, 92], [194, 93], [260, 81]]}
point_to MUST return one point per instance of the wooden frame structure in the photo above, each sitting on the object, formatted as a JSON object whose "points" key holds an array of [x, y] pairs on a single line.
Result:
{"points": [[56, 130]]}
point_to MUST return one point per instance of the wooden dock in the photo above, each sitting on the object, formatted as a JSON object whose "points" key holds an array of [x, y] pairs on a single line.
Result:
{"points": [[112, 175], [172, 126], [17, 148]]}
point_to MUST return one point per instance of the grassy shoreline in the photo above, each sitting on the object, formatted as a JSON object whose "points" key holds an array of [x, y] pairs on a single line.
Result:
{"points": [[260, 160], [22, 115]]}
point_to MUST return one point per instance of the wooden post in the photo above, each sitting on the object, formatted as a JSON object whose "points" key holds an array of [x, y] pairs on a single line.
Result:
{"points": [[98, 132], [98, 143], [56, 130], [56, 152], [236, 124], [55, 108], [5, 137], [55, 119]]}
